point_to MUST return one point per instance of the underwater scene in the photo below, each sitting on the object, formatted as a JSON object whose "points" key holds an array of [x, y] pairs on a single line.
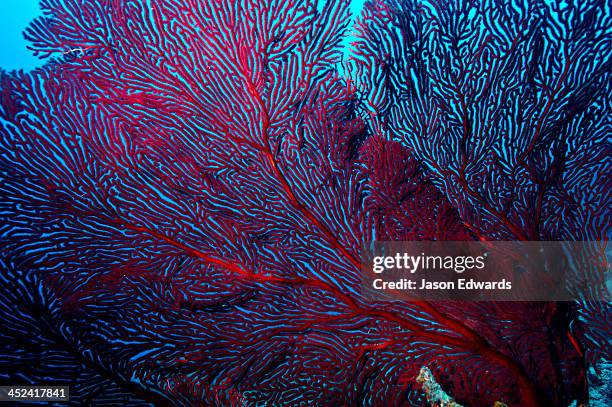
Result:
{"points": [[306, 203]]}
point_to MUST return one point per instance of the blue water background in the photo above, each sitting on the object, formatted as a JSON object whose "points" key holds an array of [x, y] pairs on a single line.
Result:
{"points": [[15, 17]]}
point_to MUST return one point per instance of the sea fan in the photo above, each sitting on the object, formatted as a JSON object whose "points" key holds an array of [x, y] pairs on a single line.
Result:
{"points": [[506, 105], [186, 187]]}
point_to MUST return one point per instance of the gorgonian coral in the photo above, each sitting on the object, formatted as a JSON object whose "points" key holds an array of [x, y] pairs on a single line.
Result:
{"points": [[506, 104], [187, 185]]}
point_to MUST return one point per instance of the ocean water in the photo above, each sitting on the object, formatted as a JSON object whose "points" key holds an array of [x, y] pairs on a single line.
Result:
{"points": [[15, 17]]}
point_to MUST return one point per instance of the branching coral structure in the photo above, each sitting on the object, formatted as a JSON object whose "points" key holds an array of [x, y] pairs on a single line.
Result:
{"points": [[186, 186]]}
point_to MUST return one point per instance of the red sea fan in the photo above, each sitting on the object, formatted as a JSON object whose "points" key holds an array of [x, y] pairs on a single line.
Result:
{"points": [[402, 203], [185, 189], [506, 105]]}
